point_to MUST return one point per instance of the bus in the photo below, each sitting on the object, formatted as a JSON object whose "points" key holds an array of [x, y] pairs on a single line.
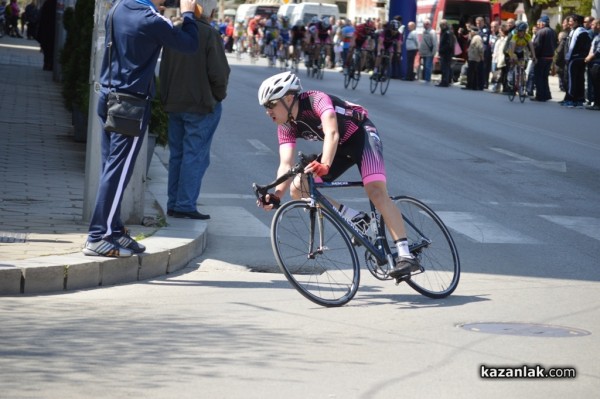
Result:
{"points": [[458, 13]]}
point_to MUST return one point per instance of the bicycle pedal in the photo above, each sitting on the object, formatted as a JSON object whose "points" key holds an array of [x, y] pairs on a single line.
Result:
{"points": [[402, 278]]}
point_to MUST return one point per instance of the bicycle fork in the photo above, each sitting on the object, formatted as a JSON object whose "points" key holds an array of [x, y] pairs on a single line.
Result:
{"points": [[315, 220]]}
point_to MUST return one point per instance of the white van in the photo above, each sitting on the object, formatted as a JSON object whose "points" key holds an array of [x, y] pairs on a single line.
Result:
{"points": [[246, 11], [286, 10], [306, 11]]}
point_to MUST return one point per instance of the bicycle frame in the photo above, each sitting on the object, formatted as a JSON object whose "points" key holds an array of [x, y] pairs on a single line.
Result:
{"points": [[380, 250]]}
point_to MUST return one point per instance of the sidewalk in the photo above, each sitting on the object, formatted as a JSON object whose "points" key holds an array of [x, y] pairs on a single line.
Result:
{"points": [[42, 170]]}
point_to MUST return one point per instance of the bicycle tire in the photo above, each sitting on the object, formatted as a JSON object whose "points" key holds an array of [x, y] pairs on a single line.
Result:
{"points": [[348, 77], [431, 243], [331, 277], [355, 69], [373, 82], [522, 88], [386, 76]]}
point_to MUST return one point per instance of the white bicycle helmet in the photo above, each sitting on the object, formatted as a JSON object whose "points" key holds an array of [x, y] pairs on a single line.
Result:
{"points": [[277, 86]]}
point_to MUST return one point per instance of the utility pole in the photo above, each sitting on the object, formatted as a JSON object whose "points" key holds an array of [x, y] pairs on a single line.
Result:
{"points": [[132, 206]]}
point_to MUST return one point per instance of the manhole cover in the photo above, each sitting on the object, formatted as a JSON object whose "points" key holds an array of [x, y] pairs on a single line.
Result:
{"points": [[11, 238], [525, 329]]}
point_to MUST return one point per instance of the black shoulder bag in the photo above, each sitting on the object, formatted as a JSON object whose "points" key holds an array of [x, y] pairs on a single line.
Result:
{"points": [[125, 111]]}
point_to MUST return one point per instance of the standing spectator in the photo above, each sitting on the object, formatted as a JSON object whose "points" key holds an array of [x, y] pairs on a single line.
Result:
{"points": [[494, 37], [529, 70], [229, 31], [32, 15], [499, 59], [46, 33], [589, 93], [578, 49], [412, 48], [192, 89], [593, 62], [2, 17], [427, 49], [559, 55], [483, 74], [446, 52], [544, 43], [511, 25], [475, 55], [138, 34], [13, 13]]}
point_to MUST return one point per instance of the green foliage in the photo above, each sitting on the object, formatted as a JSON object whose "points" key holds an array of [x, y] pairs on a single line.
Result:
{"points": [[76, 54], [159, 119]]}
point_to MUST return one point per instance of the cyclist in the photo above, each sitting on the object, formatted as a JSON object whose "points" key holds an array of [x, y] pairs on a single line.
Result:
{"points": [[323, 38], [311, 41], [298, 37], [349, 138], [284, 38], [389, 41], [362, 33], [253, 34], [520, 44]]}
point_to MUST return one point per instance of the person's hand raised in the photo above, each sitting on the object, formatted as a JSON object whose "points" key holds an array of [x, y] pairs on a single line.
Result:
{"points": [[187, 6]]}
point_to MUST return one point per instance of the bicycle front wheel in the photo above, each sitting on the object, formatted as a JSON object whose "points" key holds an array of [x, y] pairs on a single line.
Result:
{"points": [[315, 253], [429, 240], [374, 80], [386, 75]]}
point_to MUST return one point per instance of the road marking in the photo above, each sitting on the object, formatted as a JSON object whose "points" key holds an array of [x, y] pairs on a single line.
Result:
{"points": [[483, 230], [234, 221], [548, 165], [588, 226], [262, 149]]}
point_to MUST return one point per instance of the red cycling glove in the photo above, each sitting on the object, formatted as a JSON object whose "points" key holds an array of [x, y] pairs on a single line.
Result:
{"points": [[319, 169]]}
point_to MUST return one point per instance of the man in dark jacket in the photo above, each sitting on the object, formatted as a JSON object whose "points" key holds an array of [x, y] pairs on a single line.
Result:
{"points": [[446, 51], [545, 43], [578, 49], [192, 87]]}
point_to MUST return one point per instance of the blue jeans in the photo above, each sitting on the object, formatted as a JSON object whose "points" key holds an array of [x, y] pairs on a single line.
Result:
{"points": [[190, 137], [427, 68]]}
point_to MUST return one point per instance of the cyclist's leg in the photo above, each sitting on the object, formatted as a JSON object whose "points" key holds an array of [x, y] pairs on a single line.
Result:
{"points": [[372, 169]]}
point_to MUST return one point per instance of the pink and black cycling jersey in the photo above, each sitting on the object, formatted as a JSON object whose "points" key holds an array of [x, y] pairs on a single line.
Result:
{"points": [[359, 142], [311, 105]]}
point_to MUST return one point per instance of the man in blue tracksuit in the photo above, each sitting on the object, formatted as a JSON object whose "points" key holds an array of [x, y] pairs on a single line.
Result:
{"points": [[139, 32]]}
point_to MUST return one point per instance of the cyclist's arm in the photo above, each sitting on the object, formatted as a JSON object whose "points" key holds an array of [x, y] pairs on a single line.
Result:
{"points": [[287, 153], [332, 136]]}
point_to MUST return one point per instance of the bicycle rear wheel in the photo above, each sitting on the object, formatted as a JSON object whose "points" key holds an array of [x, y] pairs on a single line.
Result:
{"points": [[315, 254], [430, 242]]}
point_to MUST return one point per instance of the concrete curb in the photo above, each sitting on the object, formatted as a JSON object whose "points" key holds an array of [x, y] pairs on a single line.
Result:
{"points": [[169, 250]]}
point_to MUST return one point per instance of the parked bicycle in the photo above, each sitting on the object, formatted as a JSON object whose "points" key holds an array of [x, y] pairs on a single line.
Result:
{"points": [[315, 247]]}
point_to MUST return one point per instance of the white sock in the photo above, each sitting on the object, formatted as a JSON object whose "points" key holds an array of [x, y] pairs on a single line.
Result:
{"points": [[402, 245]]}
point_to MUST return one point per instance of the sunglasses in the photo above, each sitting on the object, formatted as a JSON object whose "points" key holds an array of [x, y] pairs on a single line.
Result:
{"points": [[271, 104]]}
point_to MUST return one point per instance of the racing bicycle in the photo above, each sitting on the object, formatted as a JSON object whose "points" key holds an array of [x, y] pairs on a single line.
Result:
{"points": [[517, 85], [384, 75], [316, 247], [352, 75]]}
